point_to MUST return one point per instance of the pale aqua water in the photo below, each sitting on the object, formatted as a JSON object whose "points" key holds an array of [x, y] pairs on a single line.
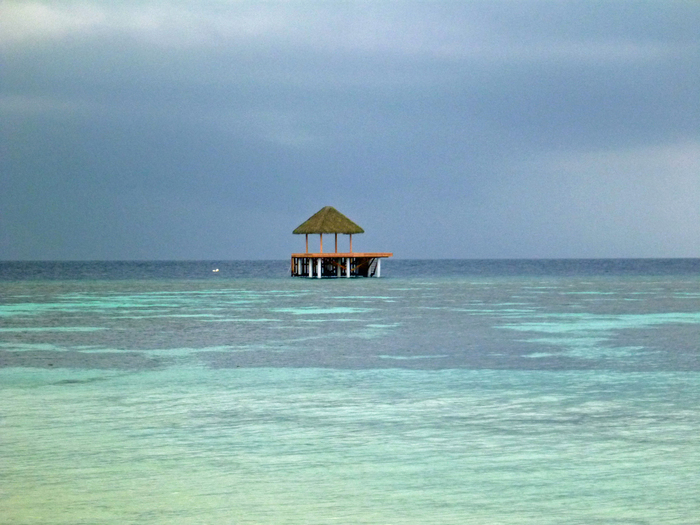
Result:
{"points": [[439, 394]]}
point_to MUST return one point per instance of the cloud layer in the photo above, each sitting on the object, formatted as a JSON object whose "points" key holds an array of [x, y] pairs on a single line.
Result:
{"points": [[171, 130]]}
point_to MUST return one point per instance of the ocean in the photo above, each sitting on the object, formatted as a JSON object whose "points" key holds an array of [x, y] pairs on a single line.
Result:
{"points": [[445, 392]]}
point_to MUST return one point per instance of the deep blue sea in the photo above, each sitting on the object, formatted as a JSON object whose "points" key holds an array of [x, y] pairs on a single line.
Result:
{"points": [[445, 392]]}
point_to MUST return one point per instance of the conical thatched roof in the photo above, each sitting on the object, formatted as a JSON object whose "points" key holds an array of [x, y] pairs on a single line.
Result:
{"points": [[328, 220]]}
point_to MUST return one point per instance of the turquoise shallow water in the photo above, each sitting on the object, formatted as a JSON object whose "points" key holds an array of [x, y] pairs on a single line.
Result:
{"points": [[413, 399]]}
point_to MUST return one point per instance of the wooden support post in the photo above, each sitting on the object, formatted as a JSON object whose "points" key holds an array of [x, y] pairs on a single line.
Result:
{"points": [[336, 243], [321, 243], [307, 243], [351, 243]]}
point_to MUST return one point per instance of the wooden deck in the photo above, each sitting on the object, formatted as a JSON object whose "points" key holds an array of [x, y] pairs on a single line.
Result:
{"points": [[335, 264], [349, 254]]}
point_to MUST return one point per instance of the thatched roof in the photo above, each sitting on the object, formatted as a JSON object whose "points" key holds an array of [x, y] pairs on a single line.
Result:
{"points": [[328, 220]]}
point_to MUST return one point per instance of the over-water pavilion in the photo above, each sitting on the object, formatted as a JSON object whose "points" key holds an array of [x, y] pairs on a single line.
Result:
{"points": [[335, 264]]}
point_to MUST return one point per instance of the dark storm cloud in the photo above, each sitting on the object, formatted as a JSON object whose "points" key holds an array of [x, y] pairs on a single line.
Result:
{"points": [[515, 129]]}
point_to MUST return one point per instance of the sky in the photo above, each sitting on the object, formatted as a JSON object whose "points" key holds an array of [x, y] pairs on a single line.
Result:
{"points": [[209, 130]]}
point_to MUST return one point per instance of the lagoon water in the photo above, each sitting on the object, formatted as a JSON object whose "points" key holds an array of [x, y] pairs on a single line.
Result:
{"points": [[446, 392]]}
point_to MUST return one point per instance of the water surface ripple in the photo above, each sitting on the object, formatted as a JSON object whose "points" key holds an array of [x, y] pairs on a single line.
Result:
{"points": [[482, 393]]}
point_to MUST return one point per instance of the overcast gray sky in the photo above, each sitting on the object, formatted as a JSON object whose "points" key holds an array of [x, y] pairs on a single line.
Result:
{"points": [[211, 129]]}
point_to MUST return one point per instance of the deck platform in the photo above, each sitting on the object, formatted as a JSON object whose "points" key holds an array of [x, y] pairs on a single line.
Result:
{"points": [[351, 264]]}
